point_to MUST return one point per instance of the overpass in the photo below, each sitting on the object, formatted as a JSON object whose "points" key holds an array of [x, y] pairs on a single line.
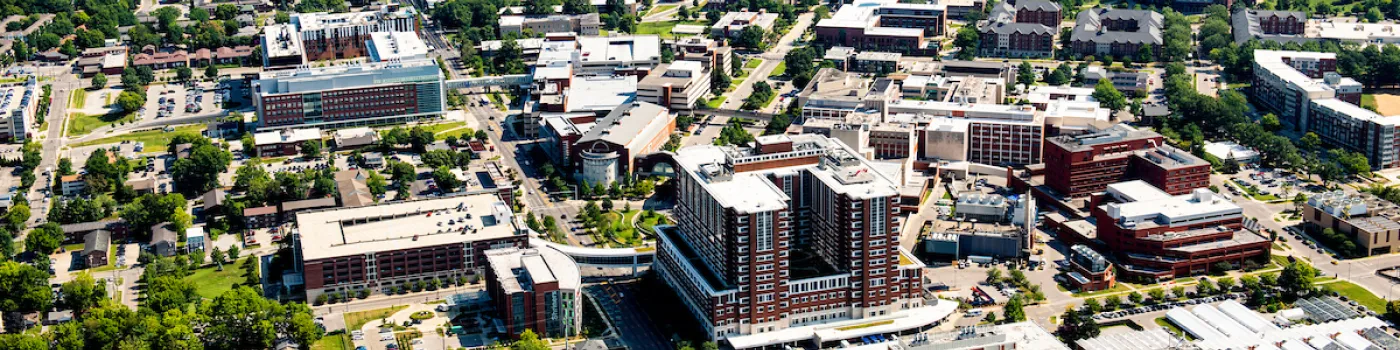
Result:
{"points": [[495, 80], [632, 259], [735, 114]]}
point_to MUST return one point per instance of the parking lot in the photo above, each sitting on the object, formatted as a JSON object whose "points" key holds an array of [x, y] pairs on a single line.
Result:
{"points": [[169, 101]]}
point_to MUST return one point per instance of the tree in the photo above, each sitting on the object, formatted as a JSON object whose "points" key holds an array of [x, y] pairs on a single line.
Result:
{"points": [[1297, 278], [211, 72], [243, 319], [45, 239], [23, 288], [311, 149], [65, 166], [993, 275], [1158, 295], [99, 81], [447, 182], [1270, 123], [991, 317], [376, 184], [1014, 309], [968, 39], [530, 341], [1078, 324], [198, 14], [1144, 54], [233, 252], [1025, 74], [1092, 305], [1112, 302], [217, 256], [1309, 142], [183, 73], [130, 101], [1109, 96], [719, 81], [751, 37]]}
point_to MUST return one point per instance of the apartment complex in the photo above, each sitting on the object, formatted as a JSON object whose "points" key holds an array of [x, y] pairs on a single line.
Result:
{"points": [[1308, 94], [349, 95], [1280, 26], [539, 289], [1159, 236], [601, 150], [1025, 29], [330, 36], [585, 24], [18, 106], [1371, 222], [382, 246], [785, 241], [678, 85], [1117, 32], [886, 25], [1079, 165]]}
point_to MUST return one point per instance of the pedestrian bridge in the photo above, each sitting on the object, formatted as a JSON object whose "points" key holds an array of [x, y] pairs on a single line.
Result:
{"points": [[631, 260], [496, 80]]}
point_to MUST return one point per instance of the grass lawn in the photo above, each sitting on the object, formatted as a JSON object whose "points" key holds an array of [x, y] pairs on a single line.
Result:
{"points": [[1368, 100], [716, 102], [1360, 295], [782, 68], [338, 341], [81, 124], [78, 99], [210, 282], [155, 139], [496, 100], [663, 29], [357, 320], [647, 223], [659, 9], [751, 64], [440, 128], [1117, 288]]}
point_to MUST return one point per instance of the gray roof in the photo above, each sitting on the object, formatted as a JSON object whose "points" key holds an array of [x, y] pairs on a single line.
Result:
{"points": [[97, 241], [1017, 28], [89, 226], [313, 203], [1089, 27], [214, 198], [161, 233], [623, 123], [1037, 5]]}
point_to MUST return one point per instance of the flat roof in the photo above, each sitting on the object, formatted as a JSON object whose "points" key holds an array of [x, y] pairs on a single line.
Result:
{"points": [[1146, 204], [404, 225], [600, 93], [517, 270], [286, 136], [385, 46]]}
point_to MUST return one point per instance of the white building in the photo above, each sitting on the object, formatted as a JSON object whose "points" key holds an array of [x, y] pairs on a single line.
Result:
{"points": [[678, 86]]}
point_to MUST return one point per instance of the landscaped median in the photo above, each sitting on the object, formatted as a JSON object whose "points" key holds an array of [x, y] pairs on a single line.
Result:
{"points": [[155, 139]]}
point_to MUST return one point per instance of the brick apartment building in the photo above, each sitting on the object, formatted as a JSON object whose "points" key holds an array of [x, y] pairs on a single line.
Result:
{"points": [[332, 36], [378, 247], [1117, 32], [1158, 236], [796, 232], [1076, 166], [1027, 28], [349, 96]]}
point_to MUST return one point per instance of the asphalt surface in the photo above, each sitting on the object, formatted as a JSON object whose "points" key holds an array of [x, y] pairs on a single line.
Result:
{"points": [[632, 323]]}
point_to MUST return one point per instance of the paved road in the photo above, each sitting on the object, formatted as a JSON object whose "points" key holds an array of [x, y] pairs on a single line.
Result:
{"points": [[771, 58], [632, 323], [63, 85]]}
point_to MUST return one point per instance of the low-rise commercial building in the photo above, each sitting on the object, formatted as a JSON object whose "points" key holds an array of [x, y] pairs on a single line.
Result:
{"points": [[538, 289], [349, 95], [1116, 32], [383, 246], [1371, 222], [678, 85], [284, 142], [732, 23], [886, 25], [1158, 236], [705, 50]]}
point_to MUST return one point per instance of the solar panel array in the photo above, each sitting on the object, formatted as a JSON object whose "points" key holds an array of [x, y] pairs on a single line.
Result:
{"points": [[1381, 338], [1323, 309]]}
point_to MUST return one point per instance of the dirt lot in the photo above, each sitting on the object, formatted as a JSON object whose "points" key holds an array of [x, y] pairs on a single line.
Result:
{"points": [[1387, 102]]}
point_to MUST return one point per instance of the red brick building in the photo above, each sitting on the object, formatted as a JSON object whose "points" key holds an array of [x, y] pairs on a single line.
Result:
{"points": [[381, 247], [1158, 236], [537, 289], [1089, 270], [1076, 166]]}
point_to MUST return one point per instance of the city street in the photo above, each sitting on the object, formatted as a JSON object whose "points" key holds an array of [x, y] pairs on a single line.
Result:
{"points": [[770, 58]]}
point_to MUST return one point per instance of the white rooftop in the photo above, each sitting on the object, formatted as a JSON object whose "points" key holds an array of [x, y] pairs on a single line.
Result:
{"points": [[600, 93], [620, 48], [1356, 112], [1146, 204], [286, 136], [538, 265], [895, 322], [1227, 150], [386, 46], [404, 225], [1273, 62]]}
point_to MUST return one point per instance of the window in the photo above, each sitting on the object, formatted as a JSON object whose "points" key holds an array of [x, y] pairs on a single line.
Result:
{"points": [[764, 228]]}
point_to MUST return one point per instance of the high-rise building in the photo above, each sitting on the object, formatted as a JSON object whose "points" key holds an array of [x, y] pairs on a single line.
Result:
{"points": [[791, 232], [349, 95]]}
